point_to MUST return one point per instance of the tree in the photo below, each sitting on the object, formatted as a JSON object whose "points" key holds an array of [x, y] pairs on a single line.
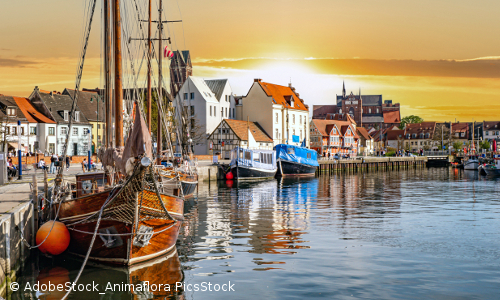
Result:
{"points": [[485, 145], [410, 120], [457, 146], [442, 133]]}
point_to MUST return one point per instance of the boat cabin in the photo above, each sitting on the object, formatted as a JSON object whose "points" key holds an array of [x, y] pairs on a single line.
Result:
{"points": [[256, 158], [89, 183]]}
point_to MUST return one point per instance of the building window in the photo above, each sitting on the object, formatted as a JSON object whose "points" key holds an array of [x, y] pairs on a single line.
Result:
{"points": [[14, 130], [85, 131], [377, 110], [276, 118], [301, 134], [77, 116], [66, 115], [192, 110], [229, 113], [98, 126], [11, 112], [52, 131], [210, 110], [64, 130], [75, 131], [226, 112], [215, 112], [277, 133], [192, 96], [293, 119], [369, 110], [234, 115], [293, 132], [7, 130], [185, 96], [52, 146]]}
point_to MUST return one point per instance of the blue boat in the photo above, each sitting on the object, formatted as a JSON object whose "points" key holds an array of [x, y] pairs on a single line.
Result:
{"points": [[252, 163], [295, 161]]}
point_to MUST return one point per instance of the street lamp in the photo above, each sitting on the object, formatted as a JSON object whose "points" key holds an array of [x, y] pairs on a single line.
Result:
{"points": [[19, 150]]}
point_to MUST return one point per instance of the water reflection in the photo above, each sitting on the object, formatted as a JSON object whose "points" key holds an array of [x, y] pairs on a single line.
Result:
{"points": [[157, 279]]}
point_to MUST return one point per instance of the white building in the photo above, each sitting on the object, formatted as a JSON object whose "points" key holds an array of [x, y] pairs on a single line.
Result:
{"points": [[57, 107], [269, 105], [208, 102], [27, 135]]}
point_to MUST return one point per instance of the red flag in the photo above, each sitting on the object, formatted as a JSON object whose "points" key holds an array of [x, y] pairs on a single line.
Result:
{"points": [[167, 52]]}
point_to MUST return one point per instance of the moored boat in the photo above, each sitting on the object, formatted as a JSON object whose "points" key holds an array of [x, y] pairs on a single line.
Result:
{"points": [[493, 170], [471, 163], [252, 163], [295, 161]]}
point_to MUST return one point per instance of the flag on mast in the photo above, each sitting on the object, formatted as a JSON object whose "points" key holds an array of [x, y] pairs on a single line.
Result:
{"points": [[167, 52]]}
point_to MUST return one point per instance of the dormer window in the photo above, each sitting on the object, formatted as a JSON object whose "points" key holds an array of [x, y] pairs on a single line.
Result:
{"points": [[11, 111], [66, 115], [77, 116]]}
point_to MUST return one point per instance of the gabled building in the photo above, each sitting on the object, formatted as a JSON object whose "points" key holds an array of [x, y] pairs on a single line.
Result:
{"points": [[460, 132], [231, 133], [93, 108], [13, 109], [278, 109], [491, 131], [420, 136], [395, 139], [366, 143], [57, 107], [330, 137], [205, 103]]}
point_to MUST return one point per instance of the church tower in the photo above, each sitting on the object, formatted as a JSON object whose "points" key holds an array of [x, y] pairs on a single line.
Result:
{"points": [[180, 69]]}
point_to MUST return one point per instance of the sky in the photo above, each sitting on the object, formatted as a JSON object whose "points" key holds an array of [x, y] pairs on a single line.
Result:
{"points": [[439, 59]]}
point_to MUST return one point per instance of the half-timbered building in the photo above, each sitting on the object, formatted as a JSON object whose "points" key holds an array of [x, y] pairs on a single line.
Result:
{"points": [[330, 137], [231, 133]]}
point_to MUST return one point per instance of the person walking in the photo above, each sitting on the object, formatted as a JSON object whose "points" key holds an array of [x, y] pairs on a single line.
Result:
{"points": [[67, 162], [84, 164], [53, 159]]}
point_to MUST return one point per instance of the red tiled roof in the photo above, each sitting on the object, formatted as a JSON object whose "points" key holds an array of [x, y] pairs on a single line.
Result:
{"points": [[424, 127], [240, 128], [364, 133], [392, 117], [325, 126], [281, 94], [459, 127], [394, 135], [30, 112], [489, 125]]}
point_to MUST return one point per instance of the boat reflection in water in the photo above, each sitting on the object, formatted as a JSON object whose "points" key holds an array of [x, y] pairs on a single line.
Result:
{"points": [[155, 279]]}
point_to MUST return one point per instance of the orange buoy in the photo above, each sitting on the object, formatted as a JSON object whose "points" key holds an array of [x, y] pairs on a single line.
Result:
{"points": [[58, 239], [52, 277], [229, 175]]}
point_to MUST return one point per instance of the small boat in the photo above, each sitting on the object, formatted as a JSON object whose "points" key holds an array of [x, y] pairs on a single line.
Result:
{"points": [[481, 169], [471, 163], [253, 163], [295, 161], [493, 170]]}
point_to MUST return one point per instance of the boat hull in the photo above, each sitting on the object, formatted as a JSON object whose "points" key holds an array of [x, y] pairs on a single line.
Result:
{"points": [[249, 173], [471, 165], [492, 172], [288, 168], [120, 241]]}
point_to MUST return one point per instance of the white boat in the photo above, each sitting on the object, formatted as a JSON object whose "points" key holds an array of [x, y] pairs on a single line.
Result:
{"points": [[471, 163], [253, 163]]}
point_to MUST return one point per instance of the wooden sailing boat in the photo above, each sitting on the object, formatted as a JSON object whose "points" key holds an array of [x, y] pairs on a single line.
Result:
{"points": [[134, 220]]}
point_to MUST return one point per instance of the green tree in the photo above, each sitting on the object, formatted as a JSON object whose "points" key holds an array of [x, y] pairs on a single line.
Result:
{"points": [[457, 146], [410, 120], [485, 145]]}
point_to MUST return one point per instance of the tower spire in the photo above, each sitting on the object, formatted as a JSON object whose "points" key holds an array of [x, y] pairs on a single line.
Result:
{"points": [[343, 89]]}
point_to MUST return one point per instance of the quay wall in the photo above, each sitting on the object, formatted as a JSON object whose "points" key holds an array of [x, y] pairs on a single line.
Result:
{"points": [[207, 173], [13, 251], [371, 163]]}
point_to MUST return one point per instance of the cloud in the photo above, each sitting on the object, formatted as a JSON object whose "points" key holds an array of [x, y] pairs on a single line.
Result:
{"points": [[15, 63], [485, 67], [5, 49]]}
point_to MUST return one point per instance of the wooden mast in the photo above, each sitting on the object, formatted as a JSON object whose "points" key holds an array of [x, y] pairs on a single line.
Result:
{"points": [[148, 98], [107, 70], [118, 76], [160, 92]]}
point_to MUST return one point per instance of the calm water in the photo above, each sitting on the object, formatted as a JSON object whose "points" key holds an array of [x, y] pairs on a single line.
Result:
{"points": [[427, 233]]}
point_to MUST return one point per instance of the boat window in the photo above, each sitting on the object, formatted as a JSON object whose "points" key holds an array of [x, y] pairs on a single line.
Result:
{"points": [[241, 154], [256, 157], [263, 158], [291, 150], [270, 158], [248, 155], [87, 187]]}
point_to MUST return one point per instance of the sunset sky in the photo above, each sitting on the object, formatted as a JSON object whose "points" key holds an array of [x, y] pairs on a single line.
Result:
{"points": [[439, 59]]}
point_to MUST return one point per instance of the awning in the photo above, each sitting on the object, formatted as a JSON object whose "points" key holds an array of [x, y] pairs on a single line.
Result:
{"points": [[12, 145]]}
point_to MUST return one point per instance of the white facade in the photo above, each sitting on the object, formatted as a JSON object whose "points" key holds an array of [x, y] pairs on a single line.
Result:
{"points": [[208, 102], [80, 139], [257, 106]]}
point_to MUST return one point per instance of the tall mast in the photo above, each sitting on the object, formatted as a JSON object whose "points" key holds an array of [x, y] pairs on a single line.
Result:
{"points": [[160, 92], [107, 70], [148, 98], [118, 76]]}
